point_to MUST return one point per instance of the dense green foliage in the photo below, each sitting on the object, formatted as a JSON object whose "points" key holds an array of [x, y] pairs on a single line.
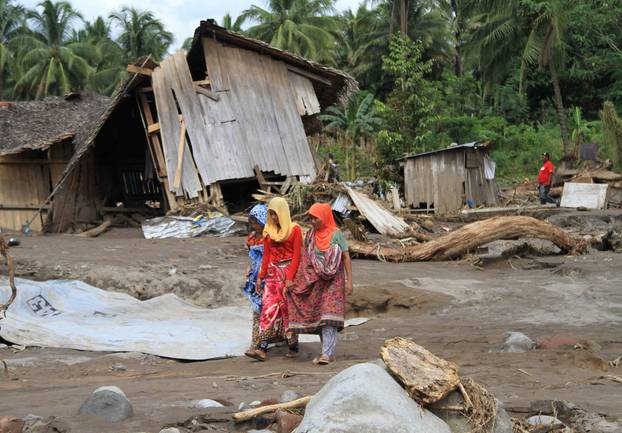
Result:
{"points": [[529, 75]]}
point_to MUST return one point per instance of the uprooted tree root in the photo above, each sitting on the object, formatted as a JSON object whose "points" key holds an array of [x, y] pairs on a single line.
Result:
{"points": [[482, 407], [465, 239]]}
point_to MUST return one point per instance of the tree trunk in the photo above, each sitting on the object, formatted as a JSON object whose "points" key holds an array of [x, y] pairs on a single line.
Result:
{"points": [[459, 69], [465, 239], [561, 113], [404, 17]]}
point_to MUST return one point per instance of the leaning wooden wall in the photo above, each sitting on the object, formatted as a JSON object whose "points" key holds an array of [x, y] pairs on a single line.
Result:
{"points": [[436, 180], [24, 186], [481, 190]]}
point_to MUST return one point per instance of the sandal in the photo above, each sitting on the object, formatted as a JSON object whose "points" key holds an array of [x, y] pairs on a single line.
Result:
{"points": [[257, 354], [293, 352], [324, 359]]}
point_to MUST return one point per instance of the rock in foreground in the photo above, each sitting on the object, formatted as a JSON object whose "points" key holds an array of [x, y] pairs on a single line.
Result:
{"points": [[108, 402], [366, 399]]}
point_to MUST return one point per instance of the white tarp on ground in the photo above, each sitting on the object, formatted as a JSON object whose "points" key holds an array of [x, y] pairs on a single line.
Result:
{"points": [[588, 195], [72, 314]]}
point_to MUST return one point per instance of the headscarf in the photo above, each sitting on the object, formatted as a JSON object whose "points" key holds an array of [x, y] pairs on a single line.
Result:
{"points": [[281, 208], [323, 235], [259, 212]]}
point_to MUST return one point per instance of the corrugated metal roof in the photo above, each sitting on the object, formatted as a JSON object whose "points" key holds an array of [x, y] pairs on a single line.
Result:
{"points": [[473, 144]]}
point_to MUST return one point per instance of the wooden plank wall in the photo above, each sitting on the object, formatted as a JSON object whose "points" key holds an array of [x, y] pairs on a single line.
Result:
{"points": [[163, 78], [262, 99], [480, 189], [437, 180], [24, 186], [306, 99]]}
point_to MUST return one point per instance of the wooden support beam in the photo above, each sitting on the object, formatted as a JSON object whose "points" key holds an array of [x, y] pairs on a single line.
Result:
{"points": [[213, 96], [153, 128], [146, 89], [33, 162], [156, 150], [205, 82], [180, 155], [138, 70], [309, 75]]}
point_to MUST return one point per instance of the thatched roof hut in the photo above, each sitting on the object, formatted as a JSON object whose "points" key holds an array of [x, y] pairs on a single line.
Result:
{"points": [[37, 140], [37, 125]]}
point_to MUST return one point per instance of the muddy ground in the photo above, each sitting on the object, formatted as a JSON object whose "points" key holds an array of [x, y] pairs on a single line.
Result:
{"points": [[459, 310]]}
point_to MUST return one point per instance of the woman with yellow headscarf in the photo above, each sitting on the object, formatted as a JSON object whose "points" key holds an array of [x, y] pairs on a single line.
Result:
{"points": [[281, 257]]}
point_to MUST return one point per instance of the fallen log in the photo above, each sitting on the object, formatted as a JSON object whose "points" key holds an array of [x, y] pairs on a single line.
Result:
{"points": [[467, 238], [250, 414]]}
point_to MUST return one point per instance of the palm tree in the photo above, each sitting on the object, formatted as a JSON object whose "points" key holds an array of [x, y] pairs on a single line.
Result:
{"points": [[231, 25], [50, 62], [457, 14], [110, 63], [302, 27], [545, 48], [11, 17], [534, 29], [141, 34], [357, 120], [363, 40]]}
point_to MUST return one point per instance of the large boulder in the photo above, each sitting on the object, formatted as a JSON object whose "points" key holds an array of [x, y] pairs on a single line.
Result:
{"points": [[366, 399], [109, 403]]}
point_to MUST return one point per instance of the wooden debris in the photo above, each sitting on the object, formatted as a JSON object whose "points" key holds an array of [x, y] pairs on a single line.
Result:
{"points": [[138, 70], [180, 155], [465, 239], [383, 220], [250, 414], [96, 231], [426, 377]]}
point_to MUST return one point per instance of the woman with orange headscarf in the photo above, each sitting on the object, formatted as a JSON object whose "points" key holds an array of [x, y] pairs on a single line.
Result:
{"points": [[316, 302], [281, 258]]}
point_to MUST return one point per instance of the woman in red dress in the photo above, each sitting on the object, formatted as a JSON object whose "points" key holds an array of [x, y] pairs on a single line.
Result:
{"points": [[281, 257], [317, 301]]}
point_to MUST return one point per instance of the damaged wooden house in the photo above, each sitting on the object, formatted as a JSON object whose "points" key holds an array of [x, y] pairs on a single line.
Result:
{"points": [[210, 126], [444, 181]]}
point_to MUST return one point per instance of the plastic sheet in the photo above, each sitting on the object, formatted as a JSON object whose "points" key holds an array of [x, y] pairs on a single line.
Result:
{"points": [[72, 314], [186, 227]]}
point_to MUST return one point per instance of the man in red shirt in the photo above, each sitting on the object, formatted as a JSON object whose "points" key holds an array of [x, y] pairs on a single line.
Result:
{"points": [[545, 178]]}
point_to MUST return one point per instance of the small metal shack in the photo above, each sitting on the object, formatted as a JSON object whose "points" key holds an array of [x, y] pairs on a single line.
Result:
{"points": [[445, 180]]}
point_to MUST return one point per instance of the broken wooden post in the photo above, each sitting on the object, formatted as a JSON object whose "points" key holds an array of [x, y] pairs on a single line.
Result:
{"points": [[426, 377], [180, 155], [250, 414], [4, 251]]}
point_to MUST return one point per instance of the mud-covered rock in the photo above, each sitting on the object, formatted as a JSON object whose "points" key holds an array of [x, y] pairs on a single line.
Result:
{"points": [[109, 403], [517, 342]]}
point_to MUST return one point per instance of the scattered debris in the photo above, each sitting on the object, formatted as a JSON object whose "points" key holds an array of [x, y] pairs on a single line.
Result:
{"points": [[252, 413], [287, 422], [382, 219], [187, 227], [109, 403], [591, 196], [206, 403], [517, 342], [467, 238]]}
